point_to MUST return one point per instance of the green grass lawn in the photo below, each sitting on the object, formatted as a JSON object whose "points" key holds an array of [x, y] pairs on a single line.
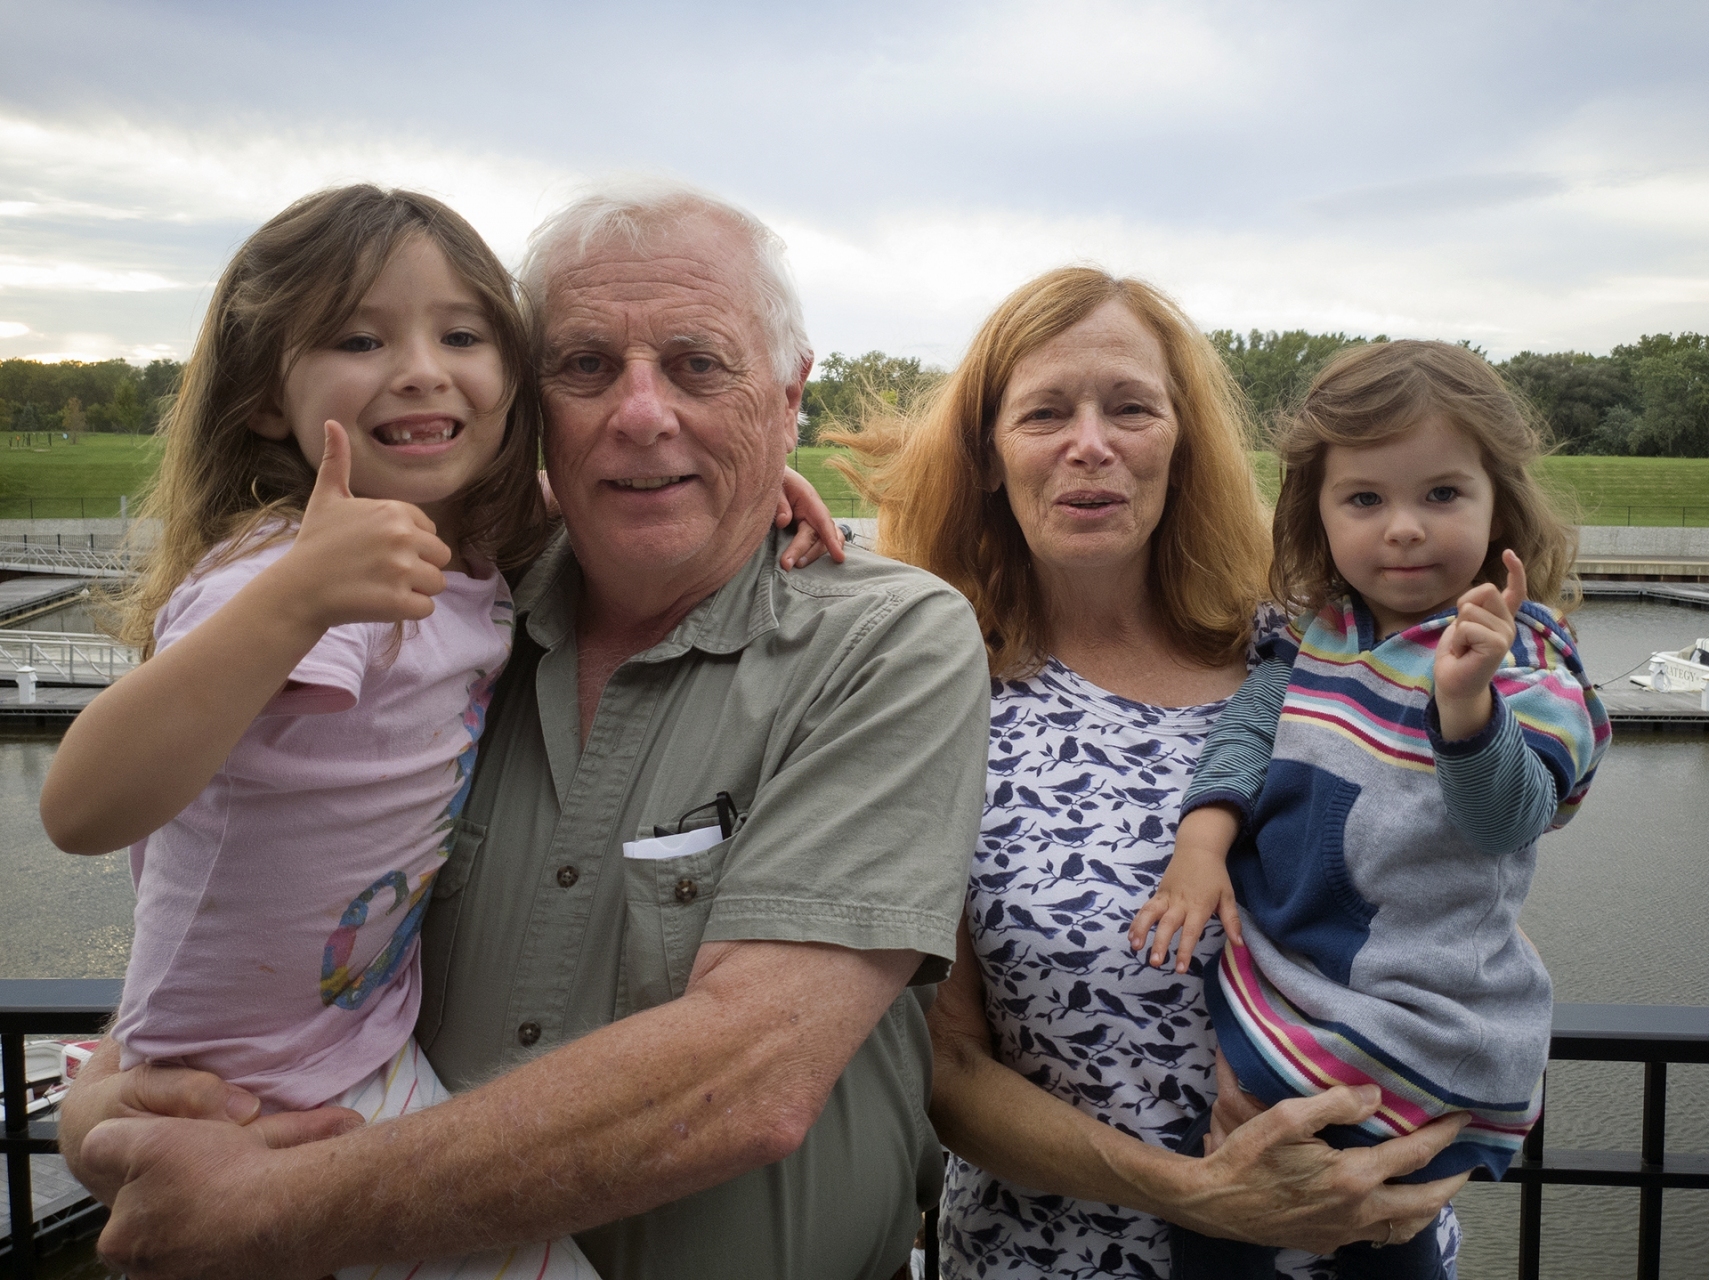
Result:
{"points": [[1648, 491], [62, 479], [812, 461], [1651, 491], [66, 479]]}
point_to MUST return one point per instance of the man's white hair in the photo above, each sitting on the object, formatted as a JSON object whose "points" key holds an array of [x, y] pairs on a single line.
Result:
{"points": [[637, 209]]}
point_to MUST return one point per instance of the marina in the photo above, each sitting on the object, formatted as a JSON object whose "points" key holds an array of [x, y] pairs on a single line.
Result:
{"points": [[1616, 909], [27, 596]]}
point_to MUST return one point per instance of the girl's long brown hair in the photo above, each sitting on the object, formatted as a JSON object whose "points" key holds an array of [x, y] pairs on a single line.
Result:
{"points": [[291, 287], [927, 472], [1374, 393]]}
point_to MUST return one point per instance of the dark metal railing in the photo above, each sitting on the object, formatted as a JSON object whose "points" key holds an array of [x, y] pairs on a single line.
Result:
{"points": [[53, 1007], [1653, 1035]]}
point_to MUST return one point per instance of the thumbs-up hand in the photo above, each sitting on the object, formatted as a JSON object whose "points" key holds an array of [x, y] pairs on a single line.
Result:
{"points": [[1471, 650], [363, 559]]}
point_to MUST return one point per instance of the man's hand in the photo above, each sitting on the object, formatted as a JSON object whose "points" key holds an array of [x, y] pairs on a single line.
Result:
{"points": [[1270, 1169], [1472, 648], [102, 1092], [178, 1178]]}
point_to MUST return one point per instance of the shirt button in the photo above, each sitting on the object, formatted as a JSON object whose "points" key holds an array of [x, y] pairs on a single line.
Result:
{"points": [[687, 890], [528, 1033], [567, 876]]}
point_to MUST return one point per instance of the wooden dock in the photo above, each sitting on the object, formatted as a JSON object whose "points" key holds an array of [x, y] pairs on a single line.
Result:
{"points": [[55, 706], [26, 596], [1631, 707], [1662, 592]]}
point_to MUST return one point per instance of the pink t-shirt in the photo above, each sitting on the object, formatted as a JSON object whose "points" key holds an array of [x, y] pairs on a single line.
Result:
{"points": [[277, 915]]}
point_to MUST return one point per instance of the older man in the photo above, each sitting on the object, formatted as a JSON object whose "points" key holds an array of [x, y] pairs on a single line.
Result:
{"points": [[721, 825]]}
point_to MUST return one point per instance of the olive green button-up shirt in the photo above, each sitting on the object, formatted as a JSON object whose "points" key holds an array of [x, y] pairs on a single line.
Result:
{"points": [[843, 709]]}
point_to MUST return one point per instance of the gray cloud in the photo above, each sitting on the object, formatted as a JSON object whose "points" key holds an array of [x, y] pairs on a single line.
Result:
{"points": [[1528, 175]]}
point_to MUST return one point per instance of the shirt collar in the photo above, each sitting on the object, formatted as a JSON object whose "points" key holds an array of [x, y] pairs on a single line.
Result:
{"points": [[727, 621]]}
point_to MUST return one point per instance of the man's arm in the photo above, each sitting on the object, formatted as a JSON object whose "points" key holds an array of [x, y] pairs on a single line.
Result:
{"points": [[647, 1110]]}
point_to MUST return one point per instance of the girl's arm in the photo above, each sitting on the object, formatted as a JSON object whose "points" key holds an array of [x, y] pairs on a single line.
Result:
{"points": [[818, 533], [1528, 761], [1226, 784], [147, 745], [1193, 888]]}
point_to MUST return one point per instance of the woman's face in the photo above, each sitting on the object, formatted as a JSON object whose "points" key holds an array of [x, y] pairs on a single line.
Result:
{"points": [[1083, 440]]}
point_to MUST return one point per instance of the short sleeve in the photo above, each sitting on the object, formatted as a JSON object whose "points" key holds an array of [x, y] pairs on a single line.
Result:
{"points": [[329, 678], [863, 836]]}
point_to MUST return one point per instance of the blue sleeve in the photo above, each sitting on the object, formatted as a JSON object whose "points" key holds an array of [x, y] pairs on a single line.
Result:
{"points": [[1498, 791], [1528, 769], [1237, 752]]}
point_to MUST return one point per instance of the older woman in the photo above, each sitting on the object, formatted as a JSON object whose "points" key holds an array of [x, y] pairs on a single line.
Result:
{"points": [[1082, 478]]}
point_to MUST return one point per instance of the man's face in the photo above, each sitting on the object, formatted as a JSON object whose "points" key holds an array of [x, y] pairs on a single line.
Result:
{"points": [[666, 429]]}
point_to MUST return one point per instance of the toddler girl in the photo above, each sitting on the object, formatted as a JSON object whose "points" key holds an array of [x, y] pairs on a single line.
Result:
{"points": [[350, 462], [1384, 774]]}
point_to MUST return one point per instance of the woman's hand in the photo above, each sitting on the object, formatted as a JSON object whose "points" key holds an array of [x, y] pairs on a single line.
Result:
{"points": [[1194, 886], [1233, 1106], [818, 535], [1472, 648], [1273, 1181]]}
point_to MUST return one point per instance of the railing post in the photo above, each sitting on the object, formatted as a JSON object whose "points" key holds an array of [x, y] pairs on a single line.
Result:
{"points": [[17, 1157], [1531, 1199], [1652, 1154]]}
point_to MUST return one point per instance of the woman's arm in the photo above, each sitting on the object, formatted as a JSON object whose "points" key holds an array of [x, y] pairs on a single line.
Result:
{"points": [[147, 745], [1272, 1182]]}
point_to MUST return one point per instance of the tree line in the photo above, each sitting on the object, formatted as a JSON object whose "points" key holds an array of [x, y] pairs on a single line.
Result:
{"points": [[74, 396], [1648, 398]]}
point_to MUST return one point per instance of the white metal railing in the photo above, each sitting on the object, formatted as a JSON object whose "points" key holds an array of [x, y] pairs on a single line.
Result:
{"points": [[85, 562], [65, 657]]}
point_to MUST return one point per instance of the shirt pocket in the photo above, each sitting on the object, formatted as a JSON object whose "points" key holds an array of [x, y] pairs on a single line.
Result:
{"points": [[667, 902], [439, 930]]}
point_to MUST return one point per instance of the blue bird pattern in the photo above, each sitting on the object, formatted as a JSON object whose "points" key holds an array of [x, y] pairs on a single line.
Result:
{"points": [[1082, 801]]}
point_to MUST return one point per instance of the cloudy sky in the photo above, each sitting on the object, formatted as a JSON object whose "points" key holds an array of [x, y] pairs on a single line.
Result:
{"points": [[1527, 175]]}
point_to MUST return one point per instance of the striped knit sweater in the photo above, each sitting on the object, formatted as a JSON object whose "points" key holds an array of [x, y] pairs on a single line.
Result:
{"points": [[1381, 869]]}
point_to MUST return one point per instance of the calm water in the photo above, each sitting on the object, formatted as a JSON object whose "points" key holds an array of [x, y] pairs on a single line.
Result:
{"points": [[1618, 910], [74, 617]]}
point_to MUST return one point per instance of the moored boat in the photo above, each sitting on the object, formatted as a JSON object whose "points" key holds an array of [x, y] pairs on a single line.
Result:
{"points": [[1678, 670]]}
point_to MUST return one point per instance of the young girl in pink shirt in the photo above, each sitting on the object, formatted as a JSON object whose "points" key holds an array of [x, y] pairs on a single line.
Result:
{"points": [[350, 463]]}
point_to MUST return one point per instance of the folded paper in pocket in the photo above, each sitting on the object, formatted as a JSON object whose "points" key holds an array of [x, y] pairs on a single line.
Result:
{"points": [[676, 846]]}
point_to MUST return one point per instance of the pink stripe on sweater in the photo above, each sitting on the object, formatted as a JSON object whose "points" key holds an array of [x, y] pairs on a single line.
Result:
{"points": [[1364, 713], [1295, 1044], [1352, 727]]}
